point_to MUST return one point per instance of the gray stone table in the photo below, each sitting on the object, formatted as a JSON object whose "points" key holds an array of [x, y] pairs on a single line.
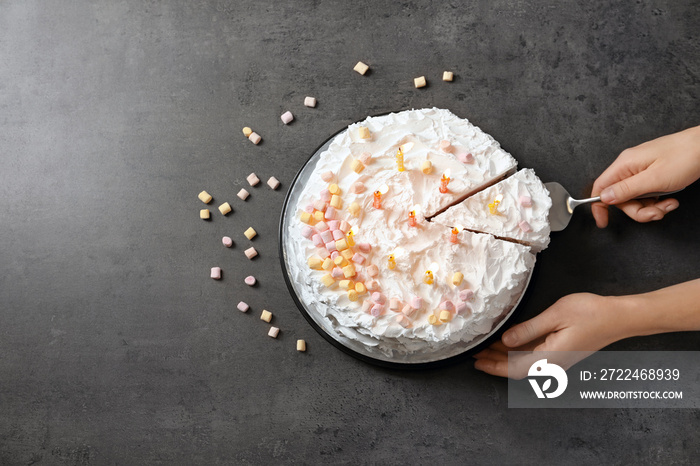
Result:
{"points": [[116, 347]]}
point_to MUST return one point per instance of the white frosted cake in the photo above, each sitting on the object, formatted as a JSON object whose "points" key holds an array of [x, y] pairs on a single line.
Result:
{"points": [[367, 255]]}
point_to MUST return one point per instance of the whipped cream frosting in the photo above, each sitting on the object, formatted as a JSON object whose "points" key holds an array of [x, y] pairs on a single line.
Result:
{"points": [[496, 271], [474, 213]]}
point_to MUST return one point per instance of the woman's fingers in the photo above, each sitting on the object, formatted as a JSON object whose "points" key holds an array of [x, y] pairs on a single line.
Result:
{"points": [[600, 214], [648, 210]]}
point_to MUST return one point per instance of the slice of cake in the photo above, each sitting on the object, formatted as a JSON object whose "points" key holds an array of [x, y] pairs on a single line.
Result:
{"points": [[516, 208]]}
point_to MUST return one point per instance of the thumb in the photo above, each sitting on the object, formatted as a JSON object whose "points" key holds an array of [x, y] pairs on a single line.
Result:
{"points": [[529, 330], [629, 188]]}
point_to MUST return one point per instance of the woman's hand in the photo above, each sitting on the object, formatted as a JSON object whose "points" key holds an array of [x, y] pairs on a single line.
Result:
{"points": [[668, 163], [581, 322]]}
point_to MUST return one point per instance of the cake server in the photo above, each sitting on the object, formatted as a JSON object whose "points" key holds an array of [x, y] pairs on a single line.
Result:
{"points": [[563, 204]]}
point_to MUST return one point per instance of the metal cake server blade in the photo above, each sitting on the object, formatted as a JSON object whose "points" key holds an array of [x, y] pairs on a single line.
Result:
{"points": [[563, 204]]}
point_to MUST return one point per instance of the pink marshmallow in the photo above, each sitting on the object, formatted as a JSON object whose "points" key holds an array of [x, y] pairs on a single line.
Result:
{"points": [[364, 247], [216, 273], [394, 304], [378, 298], [243, 307], [331, 246], [447, 305], [333, 224], [228, 242], [408, 310], [287, 117], [525, 201], [327, 236], [250, 253], [320, 205], [416, 302], [372, 270], [466, 295], [334, 255], [337, 235], [337, 272], [372, 285], [525, 226], [325, 195], [308, 232], [358, 187], [465, 157], [330, 212], [377, 310], [327, 177], [318, 241], [253, 179], [309, 209], [322, 226], [322, 252], [445, 146], [255, 138], [365, 157], [250, 280], [403, 321], [366, 305], [344, 226], [358, 258], [462, 309]]}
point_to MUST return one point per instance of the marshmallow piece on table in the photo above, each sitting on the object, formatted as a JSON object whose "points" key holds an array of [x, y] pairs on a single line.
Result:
{"points": [[205, 197], [216, 273], [273, 182], [227, 241], [287, 117], [253, 179], [247, 131], [243, 194], [361, 68], [448, 76], [274, 331], [525, 201], [310, 102], [204, 214], [250, 253], [266, 316], [301, 345], [525, 226], [250, 233], [225, 208], [255, 138], [250, 280], [243, 307], [420, 82]]}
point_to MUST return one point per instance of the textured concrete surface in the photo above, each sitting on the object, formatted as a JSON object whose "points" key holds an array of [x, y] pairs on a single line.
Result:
{"points": [[116, 347]]}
